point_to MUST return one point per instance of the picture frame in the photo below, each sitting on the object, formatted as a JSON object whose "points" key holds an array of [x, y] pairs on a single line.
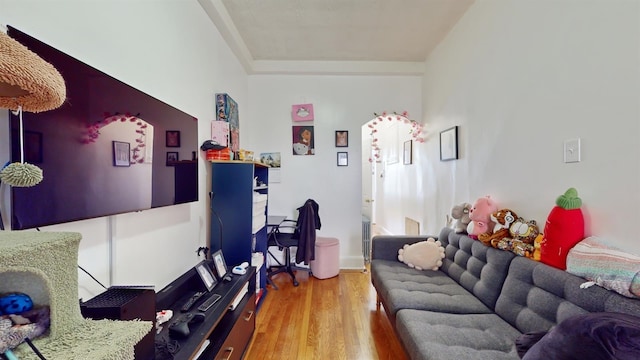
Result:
{"points": [[172, 158], [219, 264], [449, 144], [342, 138], [206, 275], [407, 155], [121, 153], [302, 112], [172, 138], [343, 158]]}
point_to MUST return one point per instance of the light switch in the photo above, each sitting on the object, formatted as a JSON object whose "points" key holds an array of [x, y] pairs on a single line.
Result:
{"points": [[572, 150]]}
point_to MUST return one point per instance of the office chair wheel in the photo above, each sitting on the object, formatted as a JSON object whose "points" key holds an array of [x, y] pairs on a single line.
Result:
{"points": [[295, 283]]}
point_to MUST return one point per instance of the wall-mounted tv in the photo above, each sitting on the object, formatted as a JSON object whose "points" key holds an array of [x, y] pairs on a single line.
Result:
{"points": [[109, 149]]}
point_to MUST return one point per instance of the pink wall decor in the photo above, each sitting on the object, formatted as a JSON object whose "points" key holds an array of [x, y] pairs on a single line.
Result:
{"points": [[302, 112]]}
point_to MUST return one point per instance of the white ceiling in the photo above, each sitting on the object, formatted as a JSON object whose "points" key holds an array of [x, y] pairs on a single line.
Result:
{"points": [[334, 36]]}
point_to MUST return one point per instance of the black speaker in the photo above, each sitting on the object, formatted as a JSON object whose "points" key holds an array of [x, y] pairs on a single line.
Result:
{"points": [[126, 303]]}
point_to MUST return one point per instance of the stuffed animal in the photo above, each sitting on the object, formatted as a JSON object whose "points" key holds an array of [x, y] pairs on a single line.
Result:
{"points": [[480, 215], [525, 231], [502, 219], [461, 214], [564, 229], [423, 255]]}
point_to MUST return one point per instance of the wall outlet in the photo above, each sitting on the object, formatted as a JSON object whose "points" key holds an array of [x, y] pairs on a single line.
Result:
{"points": [[572, 150]]}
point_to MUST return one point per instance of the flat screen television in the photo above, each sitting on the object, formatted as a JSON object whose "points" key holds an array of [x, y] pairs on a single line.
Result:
{"points": [[109, 149]]}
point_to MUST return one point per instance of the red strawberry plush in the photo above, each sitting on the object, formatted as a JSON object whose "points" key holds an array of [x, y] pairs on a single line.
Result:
{"points": [[563, 230]]}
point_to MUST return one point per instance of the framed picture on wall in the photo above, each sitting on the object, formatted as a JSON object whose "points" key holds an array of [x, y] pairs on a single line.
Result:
{"points": [[407, 154], [342, 138], [173, 138], [121, 153], [343, 158], [172, 158], [449, 144]]}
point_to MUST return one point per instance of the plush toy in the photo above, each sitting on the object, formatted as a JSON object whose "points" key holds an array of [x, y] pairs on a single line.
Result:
{"points": [[563, 230], [480, 215], [502, 219], [536, 246], [461, 214], [423, 255], [525, 231]]}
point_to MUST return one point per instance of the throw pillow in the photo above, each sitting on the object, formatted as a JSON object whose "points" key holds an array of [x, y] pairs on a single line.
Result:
{"points": [[423, 255]]}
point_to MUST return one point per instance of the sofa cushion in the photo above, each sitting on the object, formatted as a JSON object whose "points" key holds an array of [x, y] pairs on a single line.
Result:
{"points": [[595, 336], [478, 268], [432, 335], [401, 287], [536, 297]]}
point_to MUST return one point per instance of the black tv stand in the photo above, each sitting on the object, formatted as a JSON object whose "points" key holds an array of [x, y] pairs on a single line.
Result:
{"points": [[224, 333]]}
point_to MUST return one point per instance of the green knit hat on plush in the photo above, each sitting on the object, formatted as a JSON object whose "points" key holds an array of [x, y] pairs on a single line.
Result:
{"points": [[569, 200]]}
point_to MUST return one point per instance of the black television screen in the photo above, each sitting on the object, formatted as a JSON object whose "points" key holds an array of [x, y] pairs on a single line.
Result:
{"points": [[109, 149]]}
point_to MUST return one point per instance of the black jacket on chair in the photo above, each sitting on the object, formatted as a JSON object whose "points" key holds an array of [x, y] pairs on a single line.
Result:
{"points": [[309, 222]]}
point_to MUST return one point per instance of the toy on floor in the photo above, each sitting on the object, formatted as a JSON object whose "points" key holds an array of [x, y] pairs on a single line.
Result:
{"points": [[423, 255]]}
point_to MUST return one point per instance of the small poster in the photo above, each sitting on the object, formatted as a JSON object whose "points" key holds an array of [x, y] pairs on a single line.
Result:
{"points": [[303, 140], [302, 112]]}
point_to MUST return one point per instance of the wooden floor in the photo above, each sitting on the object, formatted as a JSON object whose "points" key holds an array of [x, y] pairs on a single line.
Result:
{"points": [[333, 318]]}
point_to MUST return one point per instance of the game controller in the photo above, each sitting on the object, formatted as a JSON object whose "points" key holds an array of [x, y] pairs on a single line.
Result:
{"points": [[240, 269], [179, 329]]}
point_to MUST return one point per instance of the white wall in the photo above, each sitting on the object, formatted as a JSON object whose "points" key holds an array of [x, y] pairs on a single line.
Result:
{"points": [[340, 103], [520, 77], [170, 50]]}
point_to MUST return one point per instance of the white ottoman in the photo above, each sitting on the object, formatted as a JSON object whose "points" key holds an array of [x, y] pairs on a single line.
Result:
{"points": [[327, 258]]}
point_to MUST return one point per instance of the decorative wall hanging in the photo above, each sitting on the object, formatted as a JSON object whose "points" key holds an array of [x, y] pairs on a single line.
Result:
{"points": [[449, 144], [416, 130], [302, 112], [342, 138], [303, 140]]}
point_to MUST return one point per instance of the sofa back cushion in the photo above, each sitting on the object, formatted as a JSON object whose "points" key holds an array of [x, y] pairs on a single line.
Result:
{"points": [[478, 268], [536, 297]]}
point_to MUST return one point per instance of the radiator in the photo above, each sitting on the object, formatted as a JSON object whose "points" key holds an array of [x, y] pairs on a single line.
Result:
{"points": [[366, 239]]}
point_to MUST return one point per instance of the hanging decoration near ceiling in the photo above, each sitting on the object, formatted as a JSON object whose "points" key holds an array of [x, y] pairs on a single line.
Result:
{"points": [[416, 129]]}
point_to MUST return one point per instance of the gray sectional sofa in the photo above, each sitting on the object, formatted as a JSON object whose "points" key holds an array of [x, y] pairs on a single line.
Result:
{"points": [[480, 301]]}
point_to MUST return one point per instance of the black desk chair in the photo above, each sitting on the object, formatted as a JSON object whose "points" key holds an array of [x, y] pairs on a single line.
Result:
{"points": [[298, 233]]}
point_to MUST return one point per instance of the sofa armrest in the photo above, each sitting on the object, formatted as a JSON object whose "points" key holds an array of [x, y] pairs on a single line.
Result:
{"points": [[385, 247]]}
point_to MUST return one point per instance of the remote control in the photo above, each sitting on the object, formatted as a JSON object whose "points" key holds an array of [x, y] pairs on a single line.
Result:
{"points": [[192, 300], [209, 302]]}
